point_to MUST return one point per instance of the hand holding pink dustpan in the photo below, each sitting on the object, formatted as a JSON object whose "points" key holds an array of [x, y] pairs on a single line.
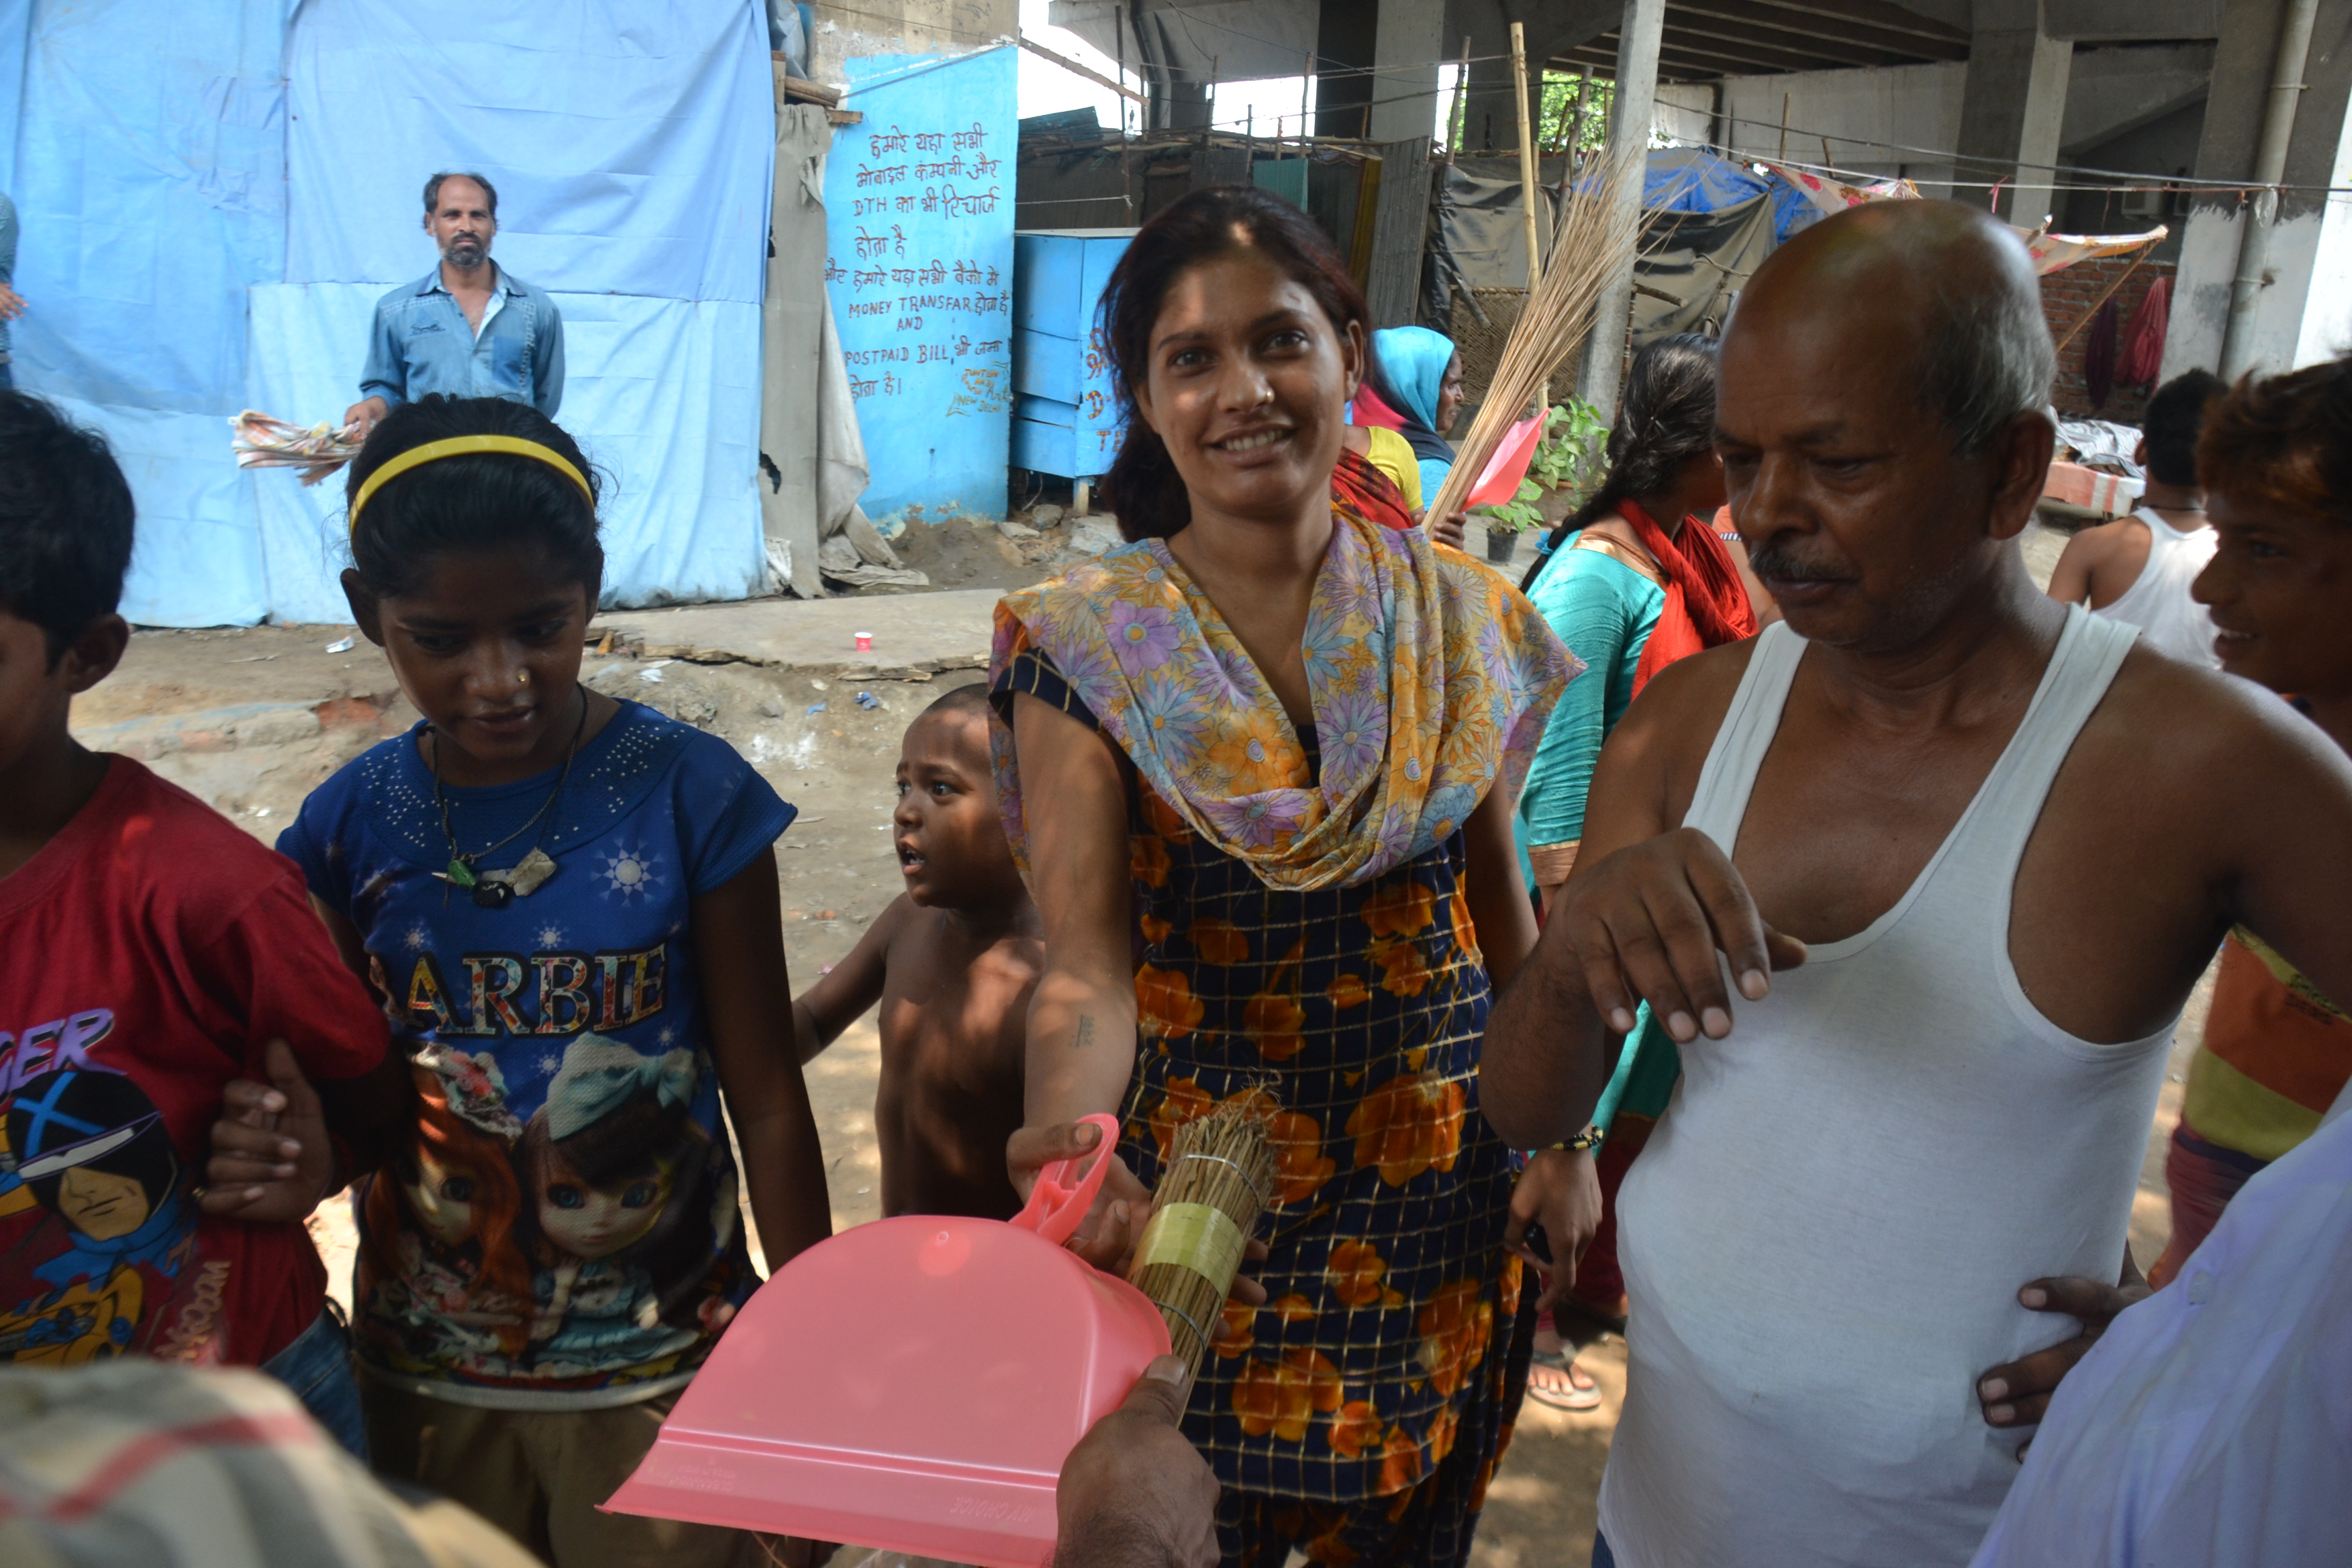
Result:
{"points": [[914, 1383]]}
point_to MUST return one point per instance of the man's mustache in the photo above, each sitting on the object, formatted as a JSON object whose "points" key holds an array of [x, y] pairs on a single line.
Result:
{"points": [[1774, 558]]}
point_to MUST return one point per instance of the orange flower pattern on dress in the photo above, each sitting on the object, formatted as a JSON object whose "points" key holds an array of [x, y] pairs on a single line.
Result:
{"points": [[1234, 1325], [1284, 1396], [1355, 1274], [1147, 860], [1400, 1462], [1454, 1328], [1401, 909], [1355, 1427], [1438, 1437], [1466, 930], [1218, 941], [1409, 1125], [1315, 929], [1273, 1017], [1185, 1100], [1162, 819], [1300, 1166], [1406, 967], [1164, 1001]]}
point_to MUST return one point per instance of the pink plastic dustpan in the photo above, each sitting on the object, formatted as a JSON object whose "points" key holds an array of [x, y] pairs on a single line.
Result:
{"points": [[913, 1384], [1500, 480]]}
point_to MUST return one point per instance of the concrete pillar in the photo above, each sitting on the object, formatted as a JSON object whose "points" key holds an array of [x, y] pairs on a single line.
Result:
{"points": [[2302, 312], [1407, 47], [2013, 106], [1344, 49], [1176, 104], [1602, 373]]}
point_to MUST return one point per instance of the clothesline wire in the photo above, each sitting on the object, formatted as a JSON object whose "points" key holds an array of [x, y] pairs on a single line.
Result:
{"points": [[2164, 182], [1853, 178]]}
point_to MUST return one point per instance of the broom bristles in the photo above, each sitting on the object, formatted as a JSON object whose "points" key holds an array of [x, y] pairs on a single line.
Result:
{"points": [[1219, 1179], [1592, 237]]}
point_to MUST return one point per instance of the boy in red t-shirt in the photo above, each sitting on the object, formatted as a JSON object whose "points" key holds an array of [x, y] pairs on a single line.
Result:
{"points": [[150, 954]]}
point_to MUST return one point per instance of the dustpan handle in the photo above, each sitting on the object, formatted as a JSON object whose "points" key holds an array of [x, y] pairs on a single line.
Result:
{"points": [[1055, 1208]]}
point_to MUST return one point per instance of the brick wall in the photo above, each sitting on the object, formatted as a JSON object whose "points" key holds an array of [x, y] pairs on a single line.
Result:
{"points": [[2066, 297]]}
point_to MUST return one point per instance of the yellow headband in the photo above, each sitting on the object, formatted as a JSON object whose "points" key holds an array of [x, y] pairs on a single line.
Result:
{"points": [[459, 446]]}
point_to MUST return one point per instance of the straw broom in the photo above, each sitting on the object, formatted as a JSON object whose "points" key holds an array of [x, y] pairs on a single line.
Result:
{"points": [[1220, 1178], [1593, 233]]}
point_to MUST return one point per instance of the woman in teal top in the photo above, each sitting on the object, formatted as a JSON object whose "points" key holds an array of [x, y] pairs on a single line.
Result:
{"points": [[1606, 579]]}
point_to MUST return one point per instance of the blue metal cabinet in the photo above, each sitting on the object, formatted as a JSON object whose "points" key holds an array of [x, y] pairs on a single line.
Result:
{"points": [[1065, 418]]}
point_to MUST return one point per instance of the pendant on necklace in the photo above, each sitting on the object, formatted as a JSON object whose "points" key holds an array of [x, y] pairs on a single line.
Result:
{"points": [[529, 874], [496, 890], [459, 874]]}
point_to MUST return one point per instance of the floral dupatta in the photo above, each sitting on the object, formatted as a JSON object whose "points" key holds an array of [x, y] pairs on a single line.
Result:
{"points": [[1430, 676]]}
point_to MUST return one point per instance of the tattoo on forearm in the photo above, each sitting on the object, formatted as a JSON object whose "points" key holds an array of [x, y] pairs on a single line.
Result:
{"points": [[1085, 1035]]}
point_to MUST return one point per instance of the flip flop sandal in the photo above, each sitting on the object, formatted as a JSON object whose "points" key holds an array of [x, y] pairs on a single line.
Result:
{"points": [[1584, 1393]]}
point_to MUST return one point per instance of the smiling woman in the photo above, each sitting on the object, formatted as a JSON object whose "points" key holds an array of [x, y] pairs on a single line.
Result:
{"points": [[1280, 744]]}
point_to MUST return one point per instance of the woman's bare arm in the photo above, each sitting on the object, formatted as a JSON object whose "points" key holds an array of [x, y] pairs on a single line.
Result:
{"points": [[1082, 1019], [1498, 900]]}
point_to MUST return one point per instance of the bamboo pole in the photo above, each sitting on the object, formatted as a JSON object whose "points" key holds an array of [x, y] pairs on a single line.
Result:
{"points": [[1460, 101], [1528, 174], [2105, 295]]}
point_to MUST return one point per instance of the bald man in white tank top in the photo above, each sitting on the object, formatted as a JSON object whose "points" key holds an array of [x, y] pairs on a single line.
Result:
{"points": [[1960, 852]]}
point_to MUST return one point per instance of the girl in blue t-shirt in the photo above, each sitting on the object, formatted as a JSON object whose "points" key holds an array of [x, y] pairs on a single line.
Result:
{"points": [[568, 905]]}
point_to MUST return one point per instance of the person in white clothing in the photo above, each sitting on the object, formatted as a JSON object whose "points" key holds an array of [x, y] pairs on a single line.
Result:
{"points": [[2139, 568], [2212, 1423], [1956, 963]]}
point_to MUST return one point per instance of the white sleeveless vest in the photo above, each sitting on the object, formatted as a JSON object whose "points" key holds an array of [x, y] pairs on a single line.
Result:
{"points": [[2158, 602], [1824, 1237]]}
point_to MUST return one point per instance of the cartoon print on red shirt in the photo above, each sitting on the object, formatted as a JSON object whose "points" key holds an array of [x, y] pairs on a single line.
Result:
{"points": [[94, 1227]]}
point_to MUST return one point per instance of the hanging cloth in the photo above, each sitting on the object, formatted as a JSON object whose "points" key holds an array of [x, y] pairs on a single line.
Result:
{"points": [[1707, 605], [2142, 360], [2099, 357]]}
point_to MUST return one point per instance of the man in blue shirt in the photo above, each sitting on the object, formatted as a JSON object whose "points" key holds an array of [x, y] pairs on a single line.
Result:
{"points": [[468, 328]]}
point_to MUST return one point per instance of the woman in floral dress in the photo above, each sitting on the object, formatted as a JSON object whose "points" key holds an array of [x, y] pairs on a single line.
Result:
{"points": [[1260, 764]]}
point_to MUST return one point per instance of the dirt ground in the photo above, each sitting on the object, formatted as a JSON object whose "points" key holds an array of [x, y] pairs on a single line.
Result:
{"points": [[252, 720]]}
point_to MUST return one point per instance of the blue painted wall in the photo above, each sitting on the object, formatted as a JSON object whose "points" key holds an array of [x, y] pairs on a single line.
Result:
{"points": [[918, 230]]}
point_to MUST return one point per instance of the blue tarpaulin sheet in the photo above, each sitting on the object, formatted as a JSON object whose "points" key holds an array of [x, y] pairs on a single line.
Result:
{"points": [[202, 234], [1694, 180]]}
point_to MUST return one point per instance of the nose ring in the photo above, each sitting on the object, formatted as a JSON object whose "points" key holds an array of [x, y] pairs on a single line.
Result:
{"points": [[522, 677]]}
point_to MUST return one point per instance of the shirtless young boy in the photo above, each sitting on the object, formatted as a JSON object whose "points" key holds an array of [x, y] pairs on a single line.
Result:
{"points": [[952, 964]]}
